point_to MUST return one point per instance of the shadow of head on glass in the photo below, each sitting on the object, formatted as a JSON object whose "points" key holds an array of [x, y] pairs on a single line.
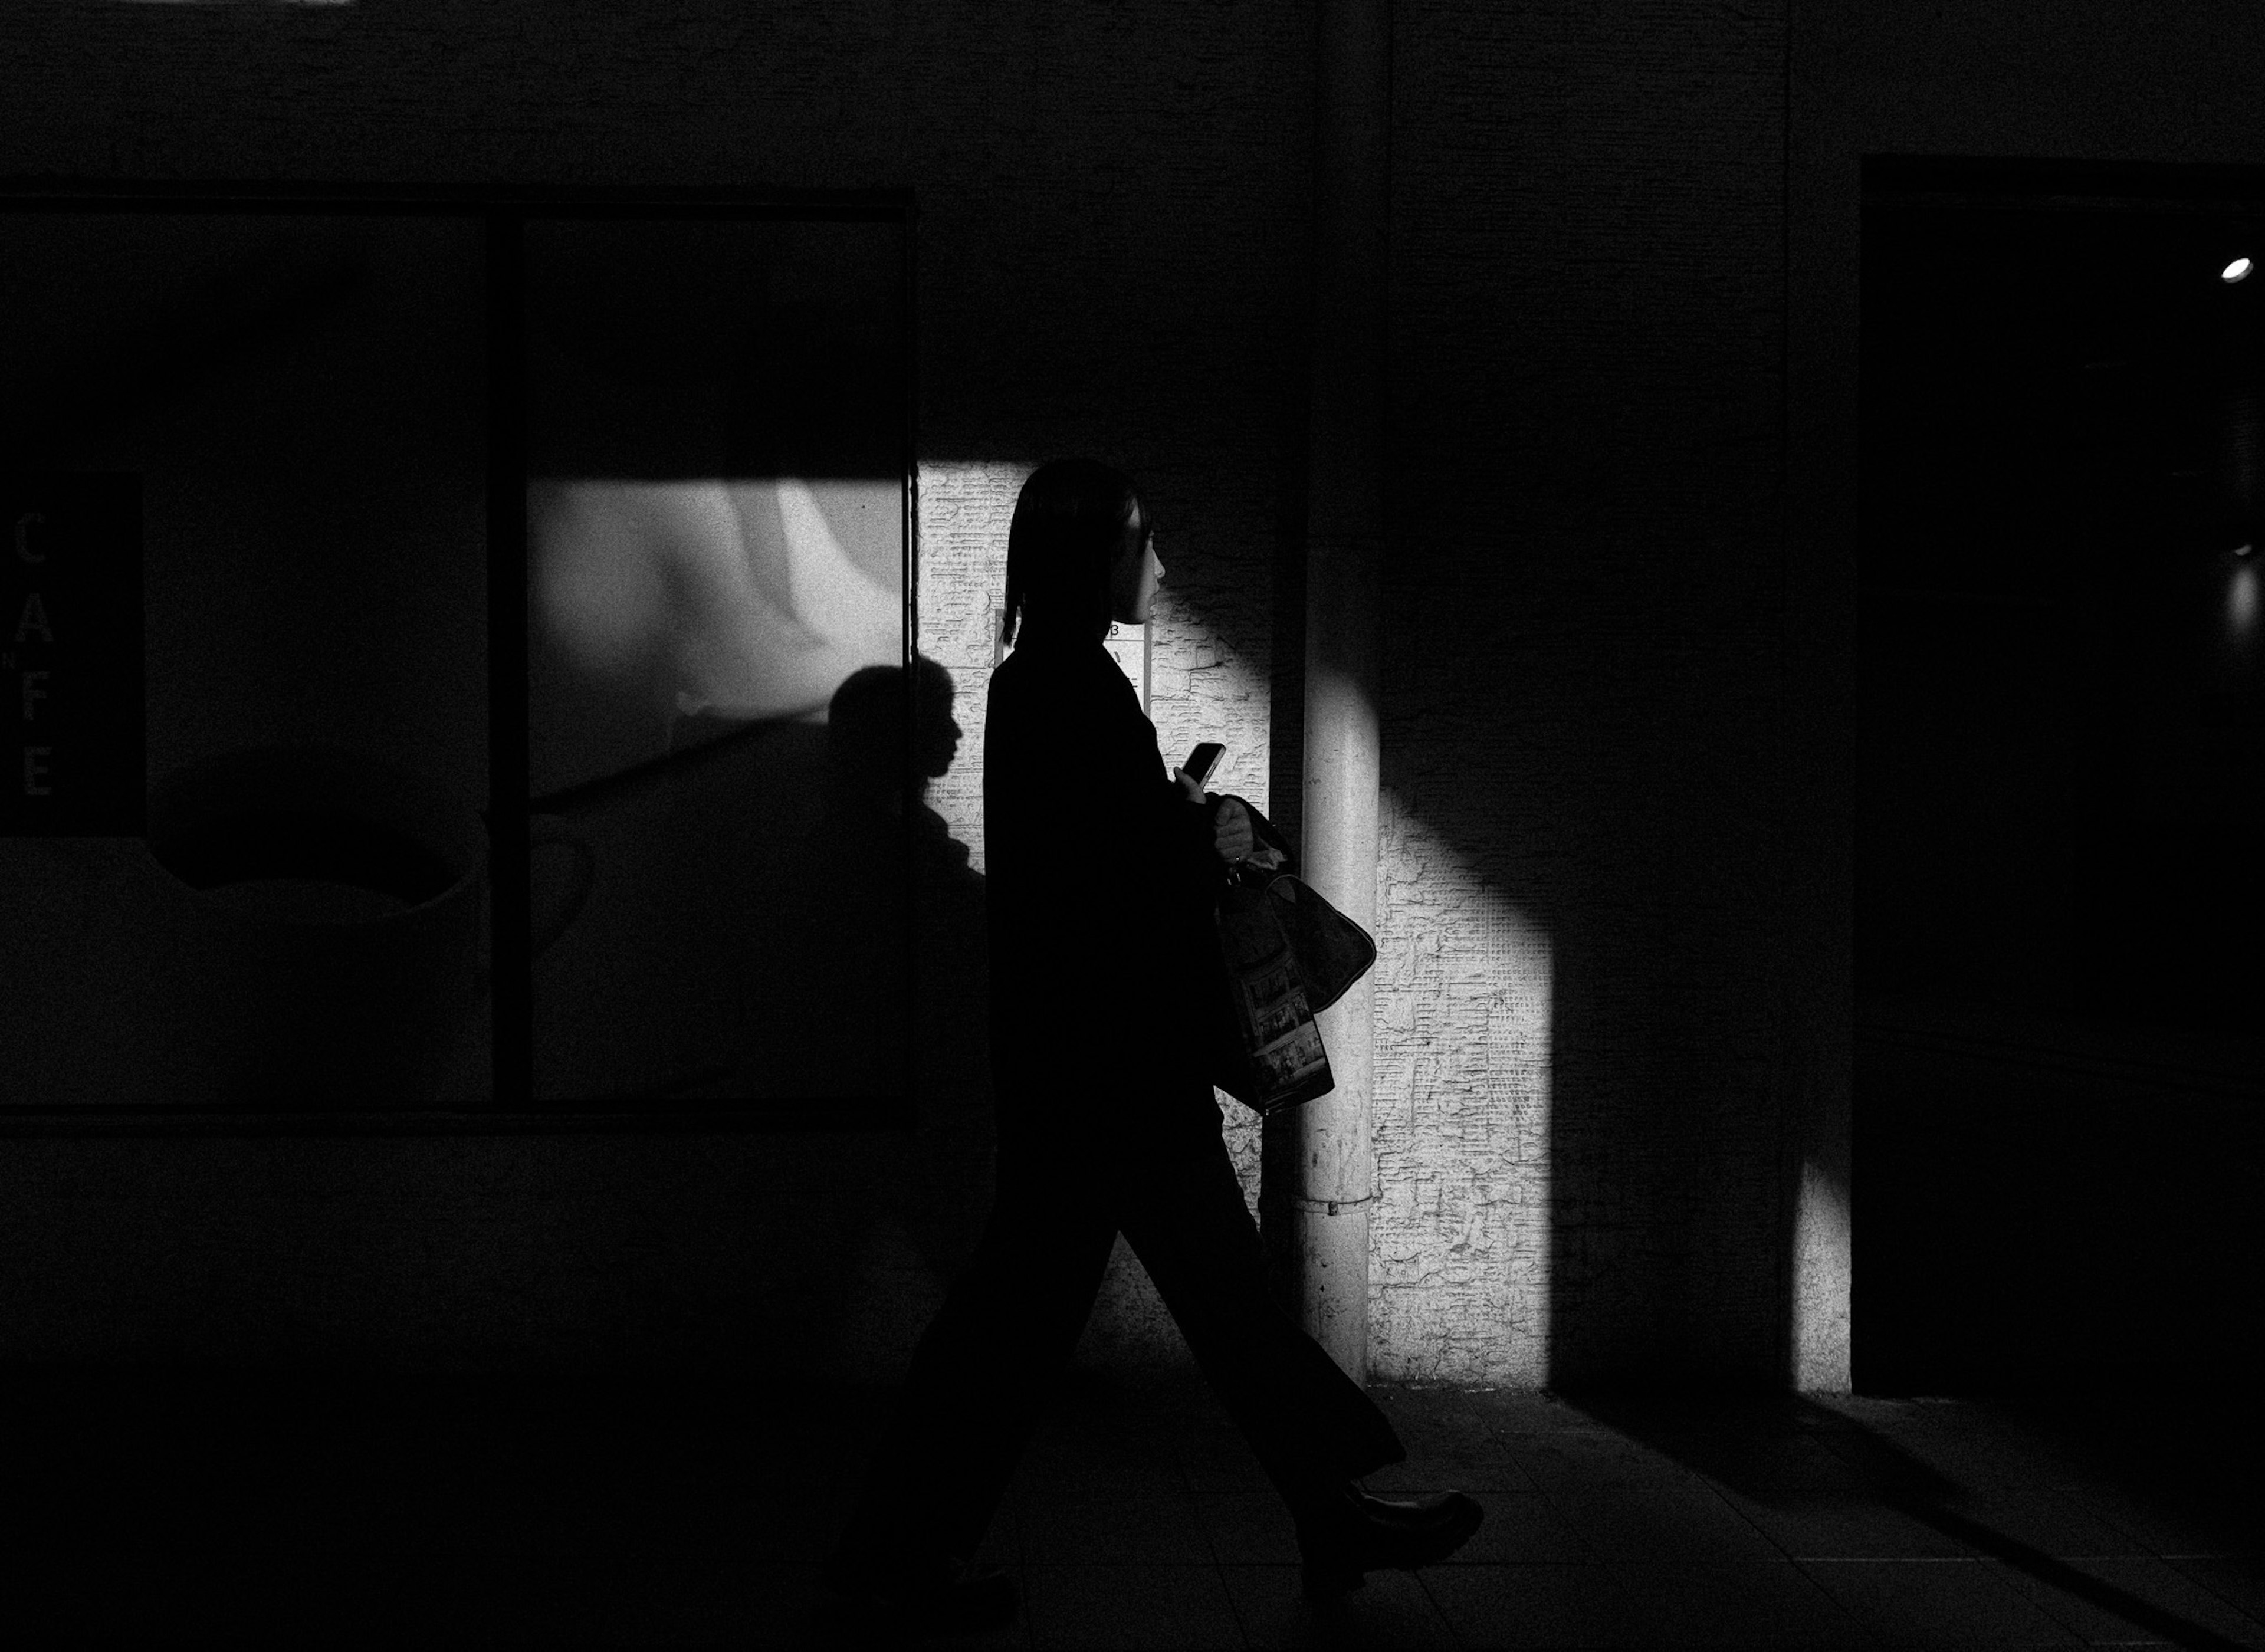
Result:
{"points": [[888, 734]]}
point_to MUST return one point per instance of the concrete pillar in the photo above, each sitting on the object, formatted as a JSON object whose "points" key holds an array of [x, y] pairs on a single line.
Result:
{"points": [[1320, 1165]]}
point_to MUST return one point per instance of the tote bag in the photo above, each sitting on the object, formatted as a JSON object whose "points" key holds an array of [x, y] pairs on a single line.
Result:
{"points": [[1286, 955]]}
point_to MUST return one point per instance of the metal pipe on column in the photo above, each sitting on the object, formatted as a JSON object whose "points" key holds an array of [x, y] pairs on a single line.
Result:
{"points": [[1320, 1165]]}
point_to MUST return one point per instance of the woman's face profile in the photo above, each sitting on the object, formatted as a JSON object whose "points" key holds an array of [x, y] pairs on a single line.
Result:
{"points": [[1136, 573]]}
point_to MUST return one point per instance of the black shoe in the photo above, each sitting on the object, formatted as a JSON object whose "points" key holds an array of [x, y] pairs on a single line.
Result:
{"points": [[944, 1596], [1355, 1533]]}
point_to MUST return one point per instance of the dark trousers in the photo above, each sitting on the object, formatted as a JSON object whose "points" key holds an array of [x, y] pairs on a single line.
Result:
{"points": [[982, 1374]]}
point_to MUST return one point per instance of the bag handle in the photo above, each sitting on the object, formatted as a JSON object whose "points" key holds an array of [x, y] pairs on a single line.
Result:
{"points": [[1275, 858]]}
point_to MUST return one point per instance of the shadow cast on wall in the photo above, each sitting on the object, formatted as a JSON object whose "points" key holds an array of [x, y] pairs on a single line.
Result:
{"points": [[779, 920]]}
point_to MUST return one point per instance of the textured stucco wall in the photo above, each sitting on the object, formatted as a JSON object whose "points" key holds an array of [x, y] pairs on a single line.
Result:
{"points": [[1458, 1270]]}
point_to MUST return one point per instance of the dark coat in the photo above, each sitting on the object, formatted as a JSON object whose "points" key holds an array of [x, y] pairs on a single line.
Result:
{"points": [[1101, 881]]}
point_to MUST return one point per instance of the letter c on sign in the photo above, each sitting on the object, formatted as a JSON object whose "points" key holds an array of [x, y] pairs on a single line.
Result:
{"points": [[23, 552]]}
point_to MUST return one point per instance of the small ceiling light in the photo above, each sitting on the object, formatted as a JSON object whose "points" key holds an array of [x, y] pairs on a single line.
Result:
{"points": [[2244, 551], [2236, 271]]}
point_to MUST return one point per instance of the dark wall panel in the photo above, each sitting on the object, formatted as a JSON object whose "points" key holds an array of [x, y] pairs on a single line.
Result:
{"points": [[1582, 651]]}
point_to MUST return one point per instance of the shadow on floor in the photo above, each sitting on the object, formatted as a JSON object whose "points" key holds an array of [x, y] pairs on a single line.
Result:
{"points": [[2016, 1481], [330, 1508]]}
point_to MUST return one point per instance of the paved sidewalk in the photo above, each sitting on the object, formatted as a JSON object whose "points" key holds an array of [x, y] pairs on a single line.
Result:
{"points": [[157, 1508]]}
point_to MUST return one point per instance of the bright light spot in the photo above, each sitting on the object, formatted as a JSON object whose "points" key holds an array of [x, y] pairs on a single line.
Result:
{"points": [[2236, 271], [2243, 550], [741, 593], [2241, 602], [1820, 1273], [965, 510]]}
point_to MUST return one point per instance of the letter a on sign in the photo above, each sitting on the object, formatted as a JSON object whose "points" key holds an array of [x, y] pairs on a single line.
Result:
{"points": [[34, 626]]}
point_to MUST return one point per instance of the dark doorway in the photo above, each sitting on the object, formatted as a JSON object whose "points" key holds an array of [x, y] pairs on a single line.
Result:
{"points": [[2060, 916]]}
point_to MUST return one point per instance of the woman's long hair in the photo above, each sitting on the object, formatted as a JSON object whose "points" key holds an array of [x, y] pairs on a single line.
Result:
{"points": [[1069, 524]]}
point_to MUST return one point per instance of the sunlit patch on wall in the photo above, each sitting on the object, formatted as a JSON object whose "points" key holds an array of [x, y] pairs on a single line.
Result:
{"points": [[1821, 1251], [727, 601], [2241, 604], [715, 441], [1459, 1283], [960, 564]]}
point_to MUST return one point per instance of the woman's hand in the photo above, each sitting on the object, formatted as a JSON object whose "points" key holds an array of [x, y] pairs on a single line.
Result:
{"points": [[1230, 821]]}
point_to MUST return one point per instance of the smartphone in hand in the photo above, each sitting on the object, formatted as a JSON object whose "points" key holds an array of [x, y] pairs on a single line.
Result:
{"points": [[1202, 761]]}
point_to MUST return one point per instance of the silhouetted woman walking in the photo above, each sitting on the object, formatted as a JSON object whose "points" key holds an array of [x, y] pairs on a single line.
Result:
{"points": [[1103, 873]]}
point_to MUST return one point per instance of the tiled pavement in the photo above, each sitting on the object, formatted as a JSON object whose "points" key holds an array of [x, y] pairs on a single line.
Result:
{"points": [[325, 1511]]}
